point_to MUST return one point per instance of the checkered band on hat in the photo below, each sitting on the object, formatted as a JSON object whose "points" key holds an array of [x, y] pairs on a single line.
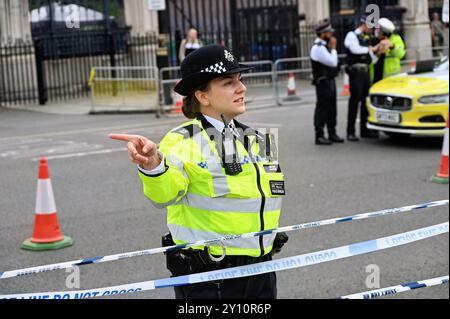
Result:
{"points": [[215, 68], [204, 65]]}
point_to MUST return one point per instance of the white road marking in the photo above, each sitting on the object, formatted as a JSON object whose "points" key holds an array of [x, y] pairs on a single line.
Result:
{"points": [[82, 154], [44, 147], [90, 130]]}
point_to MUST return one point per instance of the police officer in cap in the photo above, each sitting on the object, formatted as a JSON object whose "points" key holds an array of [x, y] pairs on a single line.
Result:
{"points": [[216, 177], [324, 61], [360, 55], [393, 51]]}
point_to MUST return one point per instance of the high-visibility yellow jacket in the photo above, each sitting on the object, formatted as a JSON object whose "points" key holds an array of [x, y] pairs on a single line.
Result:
{"points": [[393, 57], [204, 203]]}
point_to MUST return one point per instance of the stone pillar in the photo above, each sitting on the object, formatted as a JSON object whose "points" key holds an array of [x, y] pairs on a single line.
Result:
{"points": [[416, 26], [314, 11], [17, 63], [140, 18], [143, 22], [14, 24], [445, 11]]}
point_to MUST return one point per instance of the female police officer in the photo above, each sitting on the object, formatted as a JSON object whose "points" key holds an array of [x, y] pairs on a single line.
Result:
{"points": [[216, 177]]}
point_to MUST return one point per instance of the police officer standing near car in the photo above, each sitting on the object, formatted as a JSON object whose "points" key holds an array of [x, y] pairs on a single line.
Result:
{"points": [[360, 55], [324, 60], [392, 50]]}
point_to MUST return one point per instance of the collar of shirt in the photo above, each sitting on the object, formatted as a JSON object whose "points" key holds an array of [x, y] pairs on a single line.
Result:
{"points": [[216, 123], [319, 40], [220, 126], [358, 31]]}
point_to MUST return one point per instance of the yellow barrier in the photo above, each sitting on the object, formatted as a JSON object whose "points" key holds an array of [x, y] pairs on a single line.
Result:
{"points": [[128, 88]]}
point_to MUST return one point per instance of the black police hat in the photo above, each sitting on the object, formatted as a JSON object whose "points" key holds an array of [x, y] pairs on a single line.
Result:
{"points": [[205, 64], [324, 26]]}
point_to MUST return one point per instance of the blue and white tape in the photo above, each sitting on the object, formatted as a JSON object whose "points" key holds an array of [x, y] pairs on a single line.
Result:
{"points": [[398, 289], [253, 269], [102, 259]]}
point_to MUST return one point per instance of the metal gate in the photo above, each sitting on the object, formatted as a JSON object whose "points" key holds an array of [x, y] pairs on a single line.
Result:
{"points": [[252, 29], [66, 49]]}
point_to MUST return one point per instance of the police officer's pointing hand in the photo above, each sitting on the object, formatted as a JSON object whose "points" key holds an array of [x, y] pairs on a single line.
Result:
{"points": [[141, 150]]}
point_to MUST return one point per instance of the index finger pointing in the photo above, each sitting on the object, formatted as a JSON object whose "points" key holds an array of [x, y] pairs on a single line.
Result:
{"points": [[122, 137]]}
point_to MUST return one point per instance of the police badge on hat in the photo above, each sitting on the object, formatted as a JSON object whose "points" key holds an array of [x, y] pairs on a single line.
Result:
{"points": [[205, 64]]}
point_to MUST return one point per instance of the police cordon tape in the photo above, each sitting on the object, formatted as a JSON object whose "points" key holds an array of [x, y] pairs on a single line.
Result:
{"points": [[253, 269], [102, 259], [397, 289]]}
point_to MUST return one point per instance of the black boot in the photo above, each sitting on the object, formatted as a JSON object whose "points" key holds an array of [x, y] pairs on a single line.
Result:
{"points": [[352, 138], [336, 138], [323, 141]]}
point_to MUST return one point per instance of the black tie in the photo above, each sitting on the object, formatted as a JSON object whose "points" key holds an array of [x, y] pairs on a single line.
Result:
{"points": [[233, 129]]}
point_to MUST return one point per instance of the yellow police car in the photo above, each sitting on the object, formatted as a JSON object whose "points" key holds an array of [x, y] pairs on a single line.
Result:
{"points": [[413, 103]]}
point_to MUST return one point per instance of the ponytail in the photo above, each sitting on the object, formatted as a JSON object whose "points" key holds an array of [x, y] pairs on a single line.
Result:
{"points": [[191, 106]]}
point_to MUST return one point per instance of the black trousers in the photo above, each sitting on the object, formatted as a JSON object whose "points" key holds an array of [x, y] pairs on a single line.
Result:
{"points": [[359, 90], [326, 107], [255, 287]]}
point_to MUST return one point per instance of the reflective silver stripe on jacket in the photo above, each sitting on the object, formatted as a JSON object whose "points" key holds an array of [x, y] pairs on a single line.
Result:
{"points": [[173, 160], [219, 179], [189, 235], [171, 202], [238, 205]]}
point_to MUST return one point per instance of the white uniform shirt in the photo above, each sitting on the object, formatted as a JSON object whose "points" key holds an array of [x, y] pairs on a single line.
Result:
{"points": [[351, 42], [320, 53]]}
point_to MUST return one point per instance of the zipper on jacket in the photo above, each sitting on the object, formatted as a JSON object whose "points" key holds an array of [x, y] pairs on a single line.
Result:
{"points": [[261, 210]]}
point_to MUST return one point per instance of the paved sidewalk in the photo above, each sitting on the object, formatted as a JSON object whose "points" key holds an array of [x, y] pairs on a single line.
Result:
{"points": [[70, 107]]}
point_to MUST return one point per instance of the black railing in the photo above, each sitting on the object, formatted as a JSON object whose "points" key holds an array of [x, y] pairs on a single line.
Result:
{"points": [[252, 29], [49, 69], [18, 74], [81, 44]]}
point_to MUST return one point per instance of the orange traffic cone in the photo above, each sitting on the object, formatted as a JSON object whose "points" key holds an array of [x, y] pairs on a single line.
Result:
{"points": [[442, 175], [346, 90], [47, 234], [291, 91], [178, 104]]}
